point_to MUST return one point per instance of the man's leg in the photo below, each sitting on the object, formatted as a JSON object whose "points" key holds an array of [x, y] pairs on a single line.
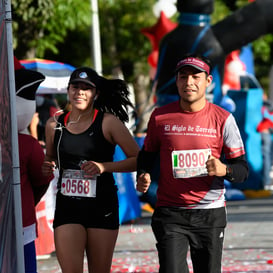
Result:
{"points": [[206, 254], [172, 242]]}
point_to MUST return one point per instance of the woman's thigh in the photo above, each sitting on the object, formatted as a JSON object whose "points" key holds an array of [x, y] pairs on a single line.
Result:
{"points": [[70, 242], [100, 248]]}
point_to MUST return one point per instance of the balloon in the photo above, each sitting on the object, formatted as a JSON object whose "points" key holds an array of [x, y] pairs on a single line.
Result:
{"points": [[155, 34]]}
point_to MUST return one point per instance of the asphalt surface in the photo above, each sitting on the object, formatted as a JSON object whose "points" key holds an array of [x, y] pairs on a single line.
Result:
{"points": [[248, 245]]}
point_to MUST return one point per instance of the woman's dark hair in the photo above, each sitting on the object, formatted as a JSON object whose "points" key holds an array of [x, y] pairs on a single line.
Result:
{"points": [[113, 97], [113, 94]]}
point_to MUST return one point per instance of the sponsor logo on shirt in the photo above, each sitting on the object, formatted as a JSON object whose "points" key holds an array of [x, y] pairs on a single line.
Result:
{"points": [[189, 130]]}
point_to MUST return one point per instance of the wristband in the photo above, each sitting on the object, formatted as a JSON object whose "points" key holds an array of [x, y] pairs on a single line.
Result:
{"points": [[229, 173]]}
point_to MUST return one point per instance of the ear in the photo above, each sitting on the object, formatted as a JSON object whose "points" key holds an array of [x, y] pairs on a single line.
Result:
{"points": [[209, 80]]}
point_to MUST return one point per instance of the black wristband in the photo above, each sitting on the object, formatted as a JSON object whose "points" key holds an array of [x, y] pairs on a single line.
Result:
{"points": [[229, 173]]}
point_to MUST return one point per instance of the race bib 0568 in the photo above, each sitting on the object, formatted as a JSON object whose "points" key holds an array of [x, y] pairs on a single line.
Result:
{"points": [[76, 183]]}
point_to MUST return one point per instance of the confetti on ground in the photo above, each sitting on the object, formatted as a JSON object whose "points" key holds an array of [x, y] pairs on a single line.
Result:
{"points": [[248, 245]]}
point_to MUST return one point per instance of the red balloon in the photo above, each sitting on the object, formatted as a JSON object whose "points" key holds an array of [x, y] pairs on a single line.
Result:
{"points": [[156, 33], [153, 57], [159, 30]]}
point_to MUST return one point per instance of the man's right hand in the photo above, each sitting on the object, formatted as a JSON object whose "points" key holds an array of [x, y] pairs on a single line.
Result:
{"points": [[143, 182]]}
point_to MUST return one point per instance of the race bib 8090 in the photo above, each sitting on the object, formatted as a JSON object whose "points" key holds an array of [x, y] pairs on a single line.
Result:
{"points": [[190, 163]]}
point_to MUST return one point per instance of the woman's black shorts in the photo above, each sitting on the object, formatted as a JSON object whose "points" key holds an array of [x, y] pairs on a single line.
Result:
{"points": [[89, 212]]}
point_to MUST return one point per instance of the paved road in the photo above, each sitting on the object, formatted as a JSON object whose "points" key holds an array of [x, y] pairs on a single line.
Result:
{"points": [[248, 245]]}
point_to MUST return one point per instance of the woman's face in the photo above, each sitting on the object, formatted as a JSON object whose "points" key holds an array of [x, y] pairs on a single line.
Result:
{"points": [[81, 95]]}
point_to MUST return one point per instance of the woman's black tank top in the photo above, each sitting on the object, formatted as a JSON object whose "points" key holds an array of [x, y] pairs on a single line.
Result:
{"points": [[72, 149]]}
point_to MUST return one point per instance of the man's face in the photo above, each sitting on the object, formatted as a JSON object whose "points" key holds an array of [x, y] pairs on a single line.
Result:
{"points": [[192, 84]]}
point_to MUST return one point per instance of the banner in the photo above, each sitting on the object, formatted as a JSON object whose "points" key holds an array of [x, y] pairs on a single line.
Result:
{"points": [[8, 262]]}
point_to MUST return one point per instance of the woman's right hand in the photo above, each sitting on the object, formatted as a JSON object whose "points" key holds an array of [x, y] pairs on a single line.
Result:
{"points": [[48, 168]]}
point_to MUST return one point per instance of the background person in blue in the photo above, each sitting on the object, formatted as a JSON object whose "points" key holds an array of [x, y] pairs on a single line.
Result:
{"points": [[265, 127], [200, 145]]}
